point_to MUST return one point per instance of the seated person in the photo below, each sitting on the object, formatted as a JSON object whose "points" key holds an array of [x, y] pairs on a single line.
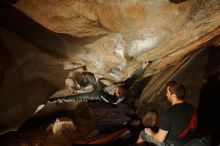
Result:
{"points": [[177, 124], [78, 81]]}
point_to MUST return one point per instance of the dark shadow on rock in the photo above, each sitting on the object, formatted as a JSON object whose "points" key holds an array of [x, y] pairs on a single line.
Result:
{"points": [[14, 20], [177, 1], [9, 2], [208, 108]]}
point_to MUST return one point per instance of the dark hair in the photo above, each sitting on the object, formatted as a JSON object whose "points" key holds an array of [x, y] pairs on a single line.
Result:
{"points": [[123, 92], [176, 88]]}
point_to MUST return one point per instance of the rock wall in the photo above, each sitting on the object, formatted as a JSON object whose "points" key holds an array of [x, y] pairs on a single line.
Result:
{"points": [[42, 41]]}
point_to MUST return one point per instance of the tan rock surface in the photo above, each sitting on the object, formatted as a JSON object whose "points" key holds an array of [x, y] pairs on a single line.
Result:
{"points": [[111, 38]]}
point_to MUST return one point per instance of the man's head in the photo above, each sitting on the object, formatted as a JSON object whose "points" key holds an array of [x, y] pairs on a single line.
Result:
{"points": [[175, 89], [121, 92]]}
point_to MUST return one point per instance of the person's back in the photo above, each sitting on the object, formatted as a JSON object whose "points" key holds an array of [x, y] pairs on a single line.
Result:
{"points": [[181, 121]]}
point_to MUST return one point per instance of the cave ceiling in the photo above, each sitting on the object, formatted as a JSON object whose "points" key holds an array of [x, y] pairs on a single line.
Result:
{"points": [[41, 41], [112, 37]]}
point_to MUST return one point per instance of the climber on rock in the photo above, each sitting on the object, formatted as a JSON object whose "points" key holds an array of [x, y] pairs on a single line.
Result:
{"points": [[84, 86]]}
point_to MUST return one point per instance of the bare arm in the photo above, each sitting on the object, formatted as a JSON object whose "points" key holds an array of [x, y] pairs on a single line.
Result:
{"points": [[159, 136]]}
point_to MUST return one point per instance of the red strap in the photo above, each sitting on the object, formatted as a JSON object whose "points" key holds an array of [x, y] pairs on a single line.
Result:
{"points": [[192, 125]]}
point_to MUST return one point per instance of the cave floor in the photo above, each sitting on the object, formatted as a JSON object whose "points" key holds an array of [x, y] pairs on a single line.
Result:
{"points": [[33, 132]]}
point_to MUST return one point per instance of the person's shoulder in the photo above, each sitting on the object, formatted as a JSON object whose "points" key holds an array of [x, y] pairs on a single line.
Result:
{"points": [[168, 110], [174, 107], [188, 105]]}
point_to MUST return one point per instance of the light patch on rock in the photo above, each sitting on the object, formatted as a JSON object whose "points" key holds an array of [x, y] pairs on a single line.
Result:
{"points": [[119, 45], [138, 46], [116, 74], [155, 3], [68, 66], [145, 40], [99, 64], [94, 62], [61, 126], [72, 65], [111, 89], [116, 43], [40, 107]]}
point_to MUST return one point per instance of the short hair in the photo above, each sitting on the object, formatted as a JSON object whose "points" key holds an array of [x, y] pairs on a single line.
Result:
{"points": [[176, 88], [123, 92]]}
